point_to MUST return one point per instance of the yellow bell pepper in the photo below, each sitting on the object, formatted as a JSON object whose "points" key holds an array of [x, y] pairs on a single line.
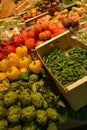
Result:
{"points": [[21, 51], [35, 66], [12, 73], [23, 70], [3, 65], [29, 58], [23, 62], [2, 75], [12, 60]]}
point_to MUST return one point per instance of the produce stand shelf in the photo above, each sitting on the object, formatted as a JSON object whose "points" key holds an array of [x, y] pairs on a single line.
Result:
{"points": [[68, 100]]}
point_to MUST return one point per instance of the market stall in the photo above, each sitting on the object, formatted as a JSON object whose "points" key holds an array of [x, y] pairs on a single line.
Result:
{"points": [[43, 64]]}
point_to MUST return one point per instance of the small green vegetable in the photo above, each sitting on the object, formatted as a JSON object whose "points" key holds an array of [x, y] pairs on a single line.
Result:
{"points": [[14, 114], [3, 124], [24, 98], [52, 114], [41, 117], [10, 98], [3, 112], [37, 100], [28, 113]]}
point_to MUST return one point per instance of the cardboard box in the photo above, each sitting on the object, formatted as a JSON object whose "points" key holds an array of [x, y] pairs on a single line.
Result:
{"points": [[75, 93]]}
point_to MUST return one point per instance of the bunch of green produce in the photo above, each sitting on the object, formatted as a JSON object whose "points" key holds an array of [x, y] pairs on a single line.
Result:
{"points": [[3, 124], [30, 104], [10, 22], [79, 55], [82, 37], [64, 68]]}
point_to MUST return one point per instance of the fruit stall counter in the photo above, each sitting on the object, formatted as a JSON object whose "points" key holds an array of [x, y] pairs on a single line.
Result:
{"points": [[30, 98]]}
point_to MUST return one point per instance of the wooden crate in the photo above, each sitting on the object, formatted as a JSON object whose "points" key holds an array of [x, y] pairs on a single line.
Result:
{"points": [[75, 93]]}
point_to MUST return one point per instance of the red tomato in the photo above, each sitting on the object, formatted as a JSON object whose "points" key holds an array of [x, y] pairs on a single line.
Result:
{"points": [[5, 43], [45, 35], [30, 43], [31, 33], [24, 34], [17, 40], [2, 56], [8, 49]]}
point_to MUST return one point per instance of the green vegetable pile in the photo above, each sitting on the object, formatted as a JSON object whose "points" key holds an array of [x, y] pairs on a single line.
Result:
{"points": [[79, 55], [10, 22], [82, 37], [30, 104], [63, 67]]}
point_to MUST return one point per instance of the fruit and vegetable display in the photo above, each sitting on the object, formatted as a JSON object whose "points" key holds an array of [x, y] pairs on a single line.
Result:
{"points": [[29, 97], [63, 67], [44, 29], [30, 103]]}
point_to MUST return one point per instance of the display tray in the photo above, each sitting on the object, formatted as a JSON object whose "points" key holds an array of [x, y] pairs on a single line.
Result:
{"points": [[69, 6], [76, 92], [32, 20]]}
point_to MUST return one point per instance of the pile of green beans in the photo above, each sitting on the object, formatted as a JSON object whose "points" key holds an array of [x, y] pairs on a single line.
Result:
{"points": [[79, 55], [64, 68]]}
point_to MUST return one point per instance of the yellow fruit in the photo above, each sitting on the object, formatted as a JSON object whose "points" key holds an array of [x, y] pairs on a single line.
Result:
{"points": [[23, 70], [12, 73], [35, 66], [21, 51], [12, 60], [23, 62], [3, 65]]}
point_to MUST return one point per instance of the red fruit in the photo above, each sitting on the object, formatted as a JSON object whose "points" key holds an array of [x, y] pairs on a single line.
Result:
{"points": [[57, 32], [2, 56], [1, 50], [45, 26], [45, 35], [30, 43], [31, 33], [24, 34], [54, 26], [38, 28], [5, 43], [17, 40], [9, 49]]}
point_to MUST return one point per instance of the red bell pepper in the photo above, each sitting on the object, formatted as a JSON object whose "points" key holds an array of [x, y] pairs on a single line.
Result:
{"points": [[8, 49], [17, 40]]}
